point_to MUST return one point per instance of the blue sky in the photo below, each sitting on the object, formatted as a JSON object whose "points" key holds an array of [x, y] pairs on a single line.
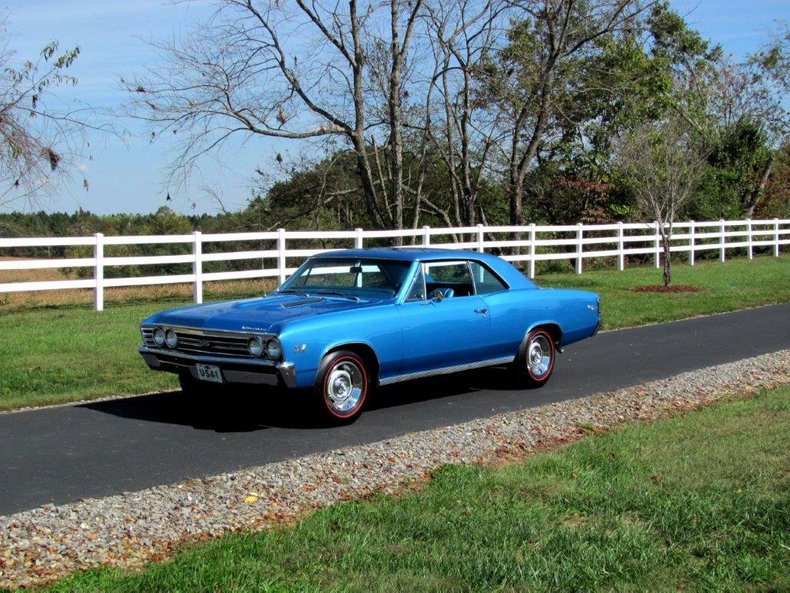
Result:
{"points": [[131, 176]]}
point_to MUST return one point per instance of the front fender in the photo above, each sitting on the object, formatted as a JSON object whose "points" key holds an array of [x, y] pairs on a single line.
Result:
{"points": [[307, 341]]}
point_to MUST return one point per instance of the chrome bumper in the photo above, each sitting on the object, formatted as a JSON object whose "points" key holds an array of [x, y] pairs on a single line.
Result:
{"points": [[234, 370]]}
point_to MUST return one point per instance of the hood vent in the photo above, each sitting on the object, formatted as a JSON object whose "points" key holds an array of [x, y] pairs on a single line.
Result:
{"points": [[301, 302]]}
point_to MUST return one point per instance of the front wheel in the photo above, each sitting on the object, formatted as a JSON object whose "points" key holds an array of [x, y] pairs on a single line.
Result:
{"points": [[342, 386], [535, 361]]}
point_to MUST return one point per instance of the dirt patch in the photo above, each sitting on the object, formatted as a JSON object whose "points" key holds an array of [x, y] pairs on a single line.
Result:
{"points": [[662, 288]]}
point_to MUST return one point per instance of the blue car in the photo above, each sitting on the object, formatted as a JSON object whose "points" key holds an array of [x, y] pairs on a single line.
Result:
{"points": [[349, 321]]}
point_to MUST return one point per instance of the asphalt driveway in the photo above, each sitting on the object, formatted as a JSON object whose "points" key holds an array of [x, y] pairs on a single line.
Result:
{"points": [[66, 453]]}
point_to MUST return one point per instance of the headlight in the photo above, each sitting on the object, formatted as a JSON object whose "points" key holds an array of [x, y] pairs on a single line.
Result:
{"points": [[159, 336], [255, 346], [273, 348], [171, 339]]}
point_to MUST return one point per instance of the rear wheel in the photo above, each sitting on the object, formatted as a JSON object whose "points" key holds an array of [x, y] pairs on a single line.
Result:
{"points": [[535, 361], [342, 385]]}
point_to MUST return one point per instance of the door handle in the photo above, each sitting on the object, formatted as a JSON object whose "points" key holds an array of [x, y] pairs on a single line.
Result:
{"points": [[481, 311]]}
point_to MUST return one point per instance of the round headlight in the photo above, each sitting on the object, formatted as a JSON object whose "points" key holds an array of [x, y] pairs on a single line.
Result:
{"points": [[171, 339], [273, 349], [159, 336], [255, 346]]}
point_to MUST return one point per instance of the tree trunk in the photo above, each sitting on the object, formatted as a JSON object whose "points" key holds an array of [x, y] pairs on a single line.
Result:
{"points": [[396, 122], [667, 260], [357, 135], [754, 197]]}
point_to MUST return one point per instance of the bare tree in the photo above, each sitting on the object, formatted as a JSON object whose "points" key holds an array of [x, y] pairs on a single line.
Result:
{"points": [[36, 140], [293, 71], [662, 164], [461, 129]]}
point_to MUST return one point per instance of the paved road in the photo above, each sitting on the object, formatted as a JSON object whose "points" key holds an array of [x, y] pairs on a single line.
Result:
{"points": [[63, 454]]}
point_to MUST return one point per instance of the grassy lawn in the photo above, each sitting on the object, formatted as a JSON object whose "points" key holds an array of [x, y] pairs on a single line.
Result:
{"points": [[67, 352], [729, 286], [698, 503]]}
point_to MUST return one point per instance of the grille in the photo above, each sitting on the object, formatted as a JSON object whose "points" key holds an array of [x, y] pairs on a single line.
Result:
{"points": [[198, 342]]}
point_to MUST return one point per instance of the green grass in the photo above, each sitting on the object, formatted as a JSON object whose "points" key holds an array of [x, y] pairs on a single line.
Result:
{"points": [[729, 286], [67, 352], [696, 503]]}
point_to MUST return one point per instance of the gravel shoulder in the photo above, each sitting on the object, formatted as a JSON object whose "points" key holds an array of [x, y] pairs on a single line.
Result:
{"points": [[128, 530]]}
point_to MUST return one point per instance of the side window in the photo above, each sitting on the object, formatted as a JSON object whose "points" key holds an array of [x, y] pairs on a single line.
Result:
{"points": [[451, 277], [417, 290], [486, 281]]}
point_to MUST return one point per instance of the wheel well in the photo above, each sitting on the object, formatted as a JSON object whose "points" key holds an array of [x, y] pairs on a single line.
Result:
{"points": [[554, 331], [368, 356]]}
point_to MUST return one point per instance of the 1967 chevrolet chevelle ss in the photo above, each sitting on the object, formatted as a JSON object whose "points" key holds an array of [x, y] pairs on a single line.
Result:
{"points": [[348, 321]]}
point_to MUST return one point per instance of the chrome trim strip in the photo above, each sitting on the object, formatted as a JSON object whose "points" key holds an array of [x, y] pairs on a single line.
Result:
{"points": [[286, 370], [211, 359], [447, 370], [219, 333]]}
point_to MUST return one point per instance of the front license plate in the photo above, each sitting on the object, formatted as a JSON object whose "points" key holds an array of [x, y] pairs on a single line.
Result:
{"points": [[208, 372]]}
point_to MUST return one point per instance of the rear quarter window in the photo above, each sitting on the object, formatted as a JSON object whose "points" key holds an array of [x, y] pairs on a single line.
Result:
{"points": [[486, 282]]}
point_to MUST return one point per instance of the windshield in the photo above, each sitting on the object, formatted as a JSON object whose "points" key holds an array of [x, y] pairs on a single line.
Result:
{"points": [[348, 276]]}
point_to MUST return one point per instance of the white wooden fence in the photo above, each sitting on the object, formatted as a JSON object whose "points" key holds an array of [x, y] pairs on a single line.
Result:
{"points": [[530, 244]]}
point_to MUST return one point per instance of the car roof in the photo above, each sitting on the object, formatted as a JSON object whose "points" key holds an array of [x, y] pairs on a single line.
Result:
{"points": [[508, 273], [402, 253]]}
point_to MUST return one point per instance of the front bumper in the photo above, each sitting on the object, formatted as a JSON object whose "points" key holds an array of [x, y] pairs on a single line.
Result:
{"points": [[234, 370]]}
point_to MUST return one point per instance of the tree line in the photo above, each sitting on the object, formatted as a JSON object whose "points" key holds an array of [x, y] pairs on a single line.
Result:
{"points": [[457, 113]]}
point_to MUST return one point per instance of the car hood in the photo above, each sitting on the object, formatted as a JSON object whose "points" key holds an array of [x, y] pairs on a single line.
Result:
{"points": [[264, 314]]}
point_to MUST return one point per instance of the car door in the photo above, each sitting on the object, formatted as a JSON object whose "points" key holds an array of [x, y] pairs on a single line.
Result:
{"points": [[443, 332], [509, 311]]}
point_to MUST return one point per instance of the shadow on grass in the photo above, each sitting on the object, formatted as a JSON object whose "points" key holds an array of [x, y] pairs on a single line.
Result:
{"points": [[245, 409]]}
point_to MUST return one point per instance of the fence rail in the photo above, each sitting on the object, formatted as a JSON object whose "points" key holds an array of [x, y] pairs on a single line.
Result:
{"points": [[525, 244]]}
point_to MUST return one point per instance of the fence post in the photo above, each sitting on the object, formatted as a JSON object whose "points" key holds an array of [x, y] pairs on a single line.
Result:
{"points": [[532, 249], [749, 237], [620, 247], [657, 242], [281, 255], [691, 242], [776, 237], [197, 268], [722, 242], [579, 247], [98, 274], [358, 240], [480, 239], [426, 235]]}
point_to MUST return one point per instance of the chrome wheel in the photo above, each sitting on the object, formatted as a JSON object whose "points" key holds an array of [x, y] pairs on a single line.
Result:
{"points": [[539, 356], [343, 385], [534, 362]]}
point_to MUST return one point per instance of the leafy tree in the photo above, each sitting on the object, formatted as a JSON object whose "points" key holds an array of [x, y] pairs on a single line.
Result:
{"points": [[533, 77], [734, 181], [37, 140]]}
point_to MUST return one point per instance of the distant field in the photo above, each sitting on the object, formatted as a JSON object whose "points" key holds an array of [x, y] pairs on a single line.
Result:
{"points": [[30, 275], [55, 348], [18, 301]]}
